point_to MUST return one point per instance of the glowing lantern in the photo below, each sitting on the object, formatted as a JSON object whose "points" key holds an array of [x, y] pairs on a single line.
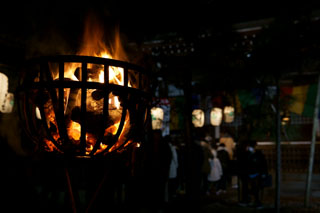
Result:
{"points": [[7, 105], [157, 115], [228, 114], [285, 118], [198, 118], [38, 113], [216, 116], [3, 89]]}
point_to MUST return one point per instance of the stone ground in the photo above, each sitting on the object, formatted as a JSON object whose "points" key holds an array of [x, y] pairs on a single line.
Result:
{"points": [[292, 199]]}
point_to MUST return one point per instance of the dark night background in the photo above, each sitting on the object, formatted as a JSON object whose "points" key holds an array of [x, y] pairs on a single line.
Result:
{"points": [[140, 20], [56, 27], [290, 43]]}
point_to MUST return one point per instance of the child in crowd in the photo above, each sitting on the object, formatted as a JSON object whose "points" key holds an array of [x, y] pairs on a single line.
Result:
{"points": [[215, 172]]}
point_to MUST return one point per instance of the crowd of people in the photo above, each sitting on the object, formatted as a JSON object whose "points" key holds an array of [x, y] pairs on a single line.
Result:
{"points": [[210, 167]]}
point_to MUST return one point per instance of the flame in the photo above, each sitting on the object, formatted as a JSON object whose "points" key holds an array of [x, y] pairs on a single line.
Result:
{"points": [[89, 149], [93, 45], [114, 101], [101, 149], [103, 146], [113, 130], [49, 146], [69, 71], [115, 75], [51, 120], [74, 131]]}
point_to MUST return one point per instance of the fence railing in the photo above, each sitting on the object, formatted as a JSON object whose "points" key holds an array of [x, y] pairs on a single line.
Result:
{"points": [[294, 156]]}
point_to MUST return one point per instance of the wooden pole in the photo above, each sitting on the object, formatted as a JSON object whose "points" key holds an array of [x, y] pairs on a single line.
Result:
{"points": [[73, 203], [94, 197], [312, 147], [278, 148], [188, 130]]}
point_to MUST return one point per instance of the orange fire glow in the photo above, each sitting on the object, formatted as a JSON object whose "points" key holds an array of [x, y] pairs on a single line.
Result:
{"points": [[49, 146], [93, 45], [74, 130], [113, 130]]}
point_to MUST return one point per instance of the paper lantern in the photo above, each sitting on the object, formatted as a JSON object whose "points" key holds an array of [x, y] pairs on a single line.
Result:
{"points": [[228, 114], [157, 115], [8, 103], [38, 113], [216, 116], [285, 118], [198, 118], [3, 89]]}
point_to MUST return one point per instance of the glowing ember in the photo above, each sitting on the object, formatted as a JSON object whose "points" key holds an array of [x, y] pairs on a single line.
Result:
{"points": [[114, 101], [101, 149], [49, 146], [122, 138], [89, 149], [112, 129], [74, 131]]}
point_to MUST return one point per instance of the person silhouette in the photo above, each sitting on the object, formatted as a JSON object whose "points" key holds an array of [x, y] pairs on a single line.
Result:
{"points": [[215, 172], [256, 168], [224, 158]]}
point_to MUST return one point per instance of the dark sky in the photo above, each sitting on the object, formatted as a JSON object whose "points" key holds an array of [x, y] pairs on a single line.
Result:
{"points": [[139, 19]]}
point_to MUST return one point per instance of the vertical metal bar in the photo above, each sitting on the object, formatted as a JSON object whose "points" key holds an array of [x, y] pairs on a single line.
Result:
{"points": [[187, 89], [60, 111], [278, 148], [72, 200], [125, 73], [106, 94], [125, 103], [83, 106], [97, 191], [41, 72], [61, 89], [124, 109], [313, 145], [139, 81], [44, 68], [105, 108]]}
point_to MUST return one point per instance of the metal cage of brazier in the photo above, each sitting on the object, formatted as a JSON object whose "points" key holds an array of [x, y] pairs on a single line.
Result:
{"points": [[83, 106]]}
